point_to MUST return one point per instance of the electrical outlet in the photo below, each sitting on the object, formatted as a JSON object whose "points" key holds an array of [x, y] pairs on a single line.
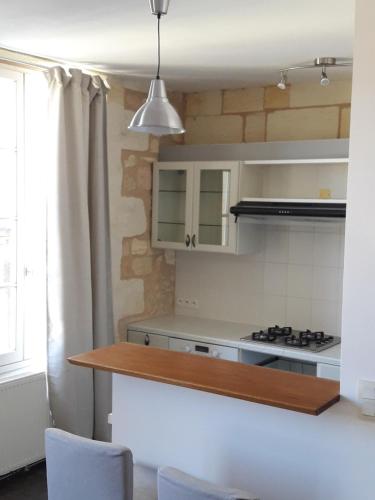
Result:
{"points": [[366, 389], [368, 407], [187, 302]]}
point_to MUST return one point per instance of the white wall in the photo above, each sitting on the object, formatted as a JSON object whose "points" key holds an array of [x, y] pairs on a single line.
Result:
{"points": [[358, 346], [295, 279]]}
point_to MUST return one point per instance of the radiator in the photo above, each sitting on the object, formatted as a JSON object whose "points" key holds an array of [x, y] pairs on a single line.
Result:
{"points": [[24, 415]]}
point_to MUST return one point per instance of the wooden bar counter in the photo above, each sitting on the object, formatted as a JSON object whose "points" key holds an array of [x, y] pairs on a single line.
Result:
{"points": [[300, 393]]}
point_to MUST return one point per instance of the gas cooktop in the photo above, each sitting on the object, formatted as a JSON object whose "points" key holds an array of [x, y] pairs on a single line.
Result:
{"points": [[298, 339]]}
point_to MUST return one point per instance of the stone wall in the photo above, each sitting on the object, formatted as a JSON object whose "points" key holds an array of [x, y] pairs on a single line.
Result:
{"points": [[143, 278], [302, 111]]}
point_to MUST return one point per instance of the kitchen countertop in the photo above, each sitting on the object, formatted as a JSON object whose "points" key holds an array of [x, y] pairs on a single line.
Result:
{"points": [[228, 334], [286, 390]]}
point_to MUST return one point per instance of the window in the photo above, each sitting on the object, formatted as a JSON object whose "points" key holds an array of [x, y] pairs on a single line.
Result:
{"points": [[22, 226]]}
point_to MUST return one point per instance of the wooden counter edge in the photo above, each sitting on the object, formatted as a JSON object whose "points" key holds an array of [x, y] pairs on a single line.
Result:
{"points": [[77, 360]]}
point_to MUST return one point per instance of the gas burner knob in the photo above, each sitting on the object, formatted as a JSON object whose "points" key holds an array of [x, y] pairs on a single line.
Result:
{"points": [[187, 348], [215, 353]]}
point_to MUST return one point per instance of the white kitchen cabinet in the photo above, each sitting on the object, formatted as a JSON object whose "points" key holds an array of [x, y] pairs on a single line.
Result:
{"points": [[148, 339], [191, 202], [323, 370]]}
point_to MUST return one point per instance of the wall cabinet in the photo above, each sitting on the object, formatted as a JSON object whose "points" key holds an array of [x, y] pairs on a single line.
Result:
{"points": [[191, 202], [192, 199]]}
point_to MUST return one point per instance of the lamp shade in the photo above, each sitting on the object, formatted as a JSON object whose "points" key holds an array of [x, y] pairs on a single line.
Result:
{"points": [[157, 116]]}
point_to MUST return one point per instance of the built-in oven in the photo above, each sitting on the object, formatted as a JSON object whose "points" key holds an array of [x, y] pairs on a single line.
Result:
{"points": [[290, 365], [277, 362]]}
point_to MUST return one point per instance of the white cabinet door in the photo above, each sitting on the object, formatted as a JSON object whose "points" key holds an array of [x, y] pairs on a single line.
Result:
{"points": [[215, 191], [328, 371], [172, 205], [148, 339]]}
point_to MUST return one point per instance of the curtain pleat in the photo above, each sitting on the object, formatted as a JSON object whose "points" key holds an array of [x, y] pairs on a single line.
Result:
{"points": [[78, 251]]}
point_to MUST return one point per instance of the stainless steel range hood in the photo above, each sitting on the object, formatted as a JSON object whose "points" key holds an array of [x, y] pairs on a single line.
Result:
{"points": [[295, 209]]}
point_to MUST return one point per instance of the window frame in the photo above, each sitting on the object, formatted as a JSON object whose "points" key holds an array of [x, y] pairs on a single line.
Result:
{"points": [[15, 359]]}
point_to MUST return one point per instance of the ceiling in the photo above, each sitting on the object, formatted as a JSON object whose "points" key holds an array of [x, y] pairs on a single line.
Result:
{"points": [[205, 43]]}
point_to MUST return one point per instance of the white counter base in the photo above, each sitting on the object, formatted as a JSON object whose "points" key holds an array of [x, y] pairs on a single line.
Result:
{"points": [[277, 454]]}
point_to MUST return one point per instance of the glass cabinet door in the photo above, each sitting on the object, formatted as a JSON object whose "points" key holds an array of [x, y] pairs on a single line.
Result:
{"points": [[215, 194], [172, 206]]}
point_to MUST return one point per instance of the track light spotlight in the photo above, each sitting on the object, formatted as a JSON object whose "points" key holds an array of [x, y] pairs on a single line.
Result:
{"points": [[283, 80], [324, 80]]}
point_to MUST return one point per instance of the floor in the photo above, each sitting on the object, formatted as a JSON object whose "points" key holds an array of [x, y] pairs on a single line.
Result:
{"points": [[28, 484]]}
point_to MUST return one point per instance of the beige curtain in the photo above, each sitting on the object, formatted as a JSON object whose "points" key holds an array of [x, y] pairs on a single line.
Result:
{"points": [[78, 251]]}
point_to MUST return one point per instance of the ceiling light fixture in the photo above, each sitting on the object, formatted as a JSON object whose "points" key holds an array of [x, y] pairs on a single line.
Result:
{"points": [[157, 116], [319, 62]]}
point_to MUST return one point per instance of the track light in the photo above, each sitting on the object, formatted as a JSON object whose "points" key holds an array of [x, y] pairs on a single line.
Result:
{"points": [[283, 80], [324, 80], [320, 62]]}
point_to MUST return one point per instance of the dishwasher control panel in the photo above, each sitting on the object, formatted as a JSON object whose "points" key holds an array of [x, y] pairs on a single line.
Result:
{"points": [[203, 349]]}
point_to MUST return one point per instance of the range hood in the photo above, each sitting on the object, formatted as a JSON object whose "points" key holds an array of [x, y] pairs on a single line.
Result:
{"points": [[302, 209]]}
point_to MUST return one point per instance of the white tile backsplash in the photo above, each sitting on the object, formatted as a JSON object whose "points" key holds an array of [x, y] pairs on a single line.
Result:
{"points": [[327, 249], [275, 278], [274, 310], [325, 315], [300, 281], [298, 312], [301, 247], [296, 279], [326, 283], [277, 245]]}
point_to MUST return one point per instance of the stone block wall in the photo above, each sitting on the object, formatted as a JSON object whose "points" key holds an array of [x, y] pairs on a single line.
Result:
{"points": [[257, 114], [143, 277]]}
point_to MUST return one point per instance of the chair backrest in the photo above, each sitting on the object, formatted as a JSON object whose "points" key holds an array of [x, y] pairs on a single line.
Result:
{"points": [[80, 469], [174, 484]]}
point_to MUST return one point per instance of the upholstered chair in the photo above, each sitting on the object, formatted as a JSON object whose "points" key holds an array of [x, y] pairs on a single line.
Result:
{"points": [[174, 484], [80, 469]]}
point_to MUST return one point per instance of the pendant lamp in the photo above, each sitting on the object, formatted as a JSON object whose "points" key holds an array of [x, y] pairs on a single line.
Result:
{"points": [[157, 116]]}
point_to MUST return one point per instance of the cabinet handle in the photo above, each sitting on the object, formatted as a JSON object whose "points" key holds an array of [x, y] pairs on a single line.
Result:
{"points": [[187, 241], [193, 240], [147, 339]]}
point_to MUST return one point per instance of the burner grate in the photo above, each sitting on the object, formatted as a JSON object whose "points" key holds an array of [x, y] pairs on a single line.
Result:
{"points": [[298, 339]]}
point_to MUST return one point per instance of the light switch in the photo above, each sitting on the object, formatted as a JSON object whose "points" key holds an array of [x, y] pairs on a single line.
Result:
{"points": [[368, 407], [366, 389]]}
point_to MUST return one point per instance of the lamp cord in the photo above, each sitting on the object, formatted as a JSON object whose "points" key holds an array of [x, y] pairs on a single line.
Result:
{"points": [[158, 72]]}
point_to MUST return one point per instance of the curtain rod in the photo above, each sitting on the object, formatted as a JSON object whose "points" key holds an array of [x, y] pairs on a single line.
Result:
{"points": [[24, 63], [42, 67]]}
